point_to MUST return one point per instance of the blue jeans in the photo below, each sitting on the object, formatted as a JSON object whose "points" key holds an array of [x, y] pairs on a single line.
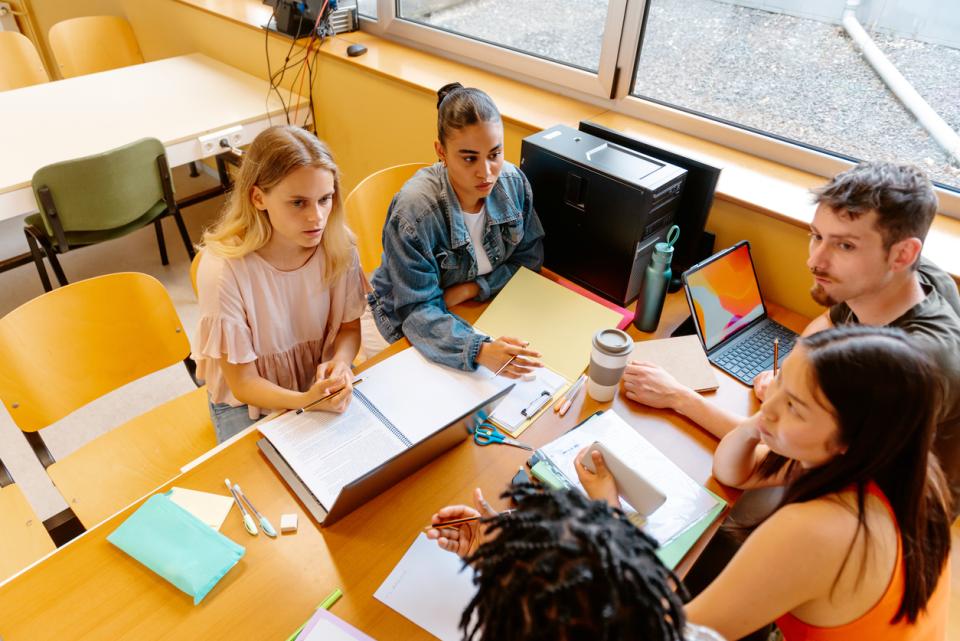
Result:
{"points": [[229, 420]]}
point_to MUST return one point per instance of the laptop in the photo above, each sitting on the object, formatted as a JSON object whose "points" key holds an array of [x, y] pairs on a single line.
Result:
{"points": [[730, 317], [388, 473]]}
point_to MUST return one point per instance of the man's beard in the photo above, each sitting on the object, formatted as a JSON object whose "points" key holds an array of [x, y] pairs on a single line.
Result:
{"points": [[821, 297]]}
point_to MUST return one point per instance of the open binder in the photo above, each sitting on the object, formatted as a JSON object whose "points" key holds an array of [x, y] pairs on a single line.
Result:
{"points": [[408, 412]]}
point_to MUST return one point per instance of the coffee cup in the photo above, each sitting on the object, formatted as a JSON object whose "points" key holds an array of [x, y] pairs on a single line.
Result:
{"points": [[608, 358]]}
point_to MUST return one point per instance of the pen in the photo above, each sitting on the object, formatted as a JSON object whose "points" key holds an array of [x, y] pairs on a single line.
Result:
{"points": [[330, 395], [466, 519], [504, 366], [776, 354], [571, 395], [247, 519], [570, 390], [264, 523]]}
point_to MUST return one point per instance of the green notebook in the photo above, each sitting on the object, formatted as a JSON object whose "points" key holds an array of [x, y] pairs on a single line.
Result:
{"points": [[672, 553]]}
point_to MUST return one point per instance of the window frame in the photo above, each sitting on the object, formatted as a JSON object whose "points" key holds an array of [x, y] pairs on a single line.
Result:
{"points": [[610, 87]]}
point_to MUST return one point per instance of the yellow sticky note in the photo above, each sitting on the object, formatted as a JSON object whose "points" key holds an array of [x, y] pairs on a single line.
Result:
{"points": [[558, 322], [210, 508]]}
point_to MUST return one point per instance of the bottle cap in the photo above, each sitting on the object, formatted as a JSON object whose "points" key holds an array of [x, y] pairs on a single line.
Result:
{"points": [[663, 251]]}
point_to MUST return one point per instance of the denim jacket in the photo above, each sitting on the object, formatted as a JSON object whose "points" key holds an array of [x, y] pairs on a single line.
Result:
{"points": [[427, 248]]}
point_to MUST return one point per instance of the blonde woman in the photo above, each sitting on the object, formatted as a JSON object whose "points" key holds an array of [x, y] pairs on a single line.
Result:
{"points": [[280, 285]]}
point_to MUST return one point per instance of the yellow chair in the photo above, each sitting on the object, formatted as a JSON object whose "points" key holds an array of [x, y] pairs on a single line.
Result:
{"points": [[24, 538], [20, 64], [194, 268], [366, 209], [70, 346], [93, 43]]}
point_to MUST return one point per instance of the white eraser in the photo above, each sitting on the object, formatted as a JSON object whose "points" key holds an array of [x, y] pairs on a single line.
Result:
{"points": [[530, 377], [288, 523]]}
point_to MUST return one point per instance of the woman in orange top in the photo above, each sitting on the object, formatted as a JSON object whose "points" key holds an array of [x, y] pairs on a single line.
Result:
{"points": [[859, 546]]}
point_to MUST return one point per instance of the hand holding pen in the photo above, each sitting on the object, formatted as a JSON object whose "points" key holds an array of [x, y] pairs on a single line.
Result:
{"points": [[459, 529], [508, 356]]}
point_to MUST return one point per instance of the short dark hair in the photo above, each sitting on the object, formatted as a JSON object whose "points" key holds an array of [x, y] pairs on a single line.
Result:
{"points": [[901, 194], [565, 568], [459, 107]]}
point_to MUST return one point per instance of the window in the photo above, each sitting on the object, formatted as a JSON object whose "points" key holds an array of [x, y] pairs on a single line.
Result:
{"points": [[782, 79], [367, 8]]}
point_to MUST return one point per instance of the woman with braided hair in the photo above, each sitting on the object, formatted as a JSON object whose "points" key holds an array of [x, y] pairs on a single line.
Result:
{"points": [[562, 567]]}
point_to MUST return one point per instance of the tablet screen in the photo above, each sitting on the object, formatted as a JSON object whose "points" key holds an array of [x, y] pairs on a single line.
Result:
{"points": [[725, 295]]}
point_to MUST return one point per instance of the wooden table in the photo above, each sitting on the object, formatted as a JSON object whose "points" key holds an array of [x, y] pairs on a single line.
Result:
{"points": [[91, 590], [176, 100]]}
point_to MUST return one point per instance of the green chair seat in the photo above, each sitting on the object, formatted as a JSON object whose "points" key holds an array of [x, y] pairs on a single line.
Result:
{"points": [[80, 238]]}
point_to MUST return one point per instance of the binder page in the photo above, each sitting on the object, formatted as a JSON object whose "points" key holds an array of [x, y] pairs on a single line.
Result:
{"points": [[687, 501], [419, 396], [328, 450]]}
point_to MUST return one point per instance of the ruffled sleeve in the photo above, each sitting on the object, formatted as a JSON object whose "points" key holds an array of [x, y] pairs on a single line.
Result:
{"points": [[223, 330]]}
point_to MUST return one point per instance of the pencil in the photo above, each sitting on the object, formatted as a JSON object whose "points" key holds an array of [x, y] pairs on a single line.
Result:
{"points": [[776, 354], [330, 395], [504, 366], [466, 519]]}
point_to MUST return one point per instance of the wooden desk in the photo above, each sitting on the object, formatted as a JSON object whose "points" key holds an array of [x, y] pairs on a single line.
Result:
{"points": [[91, 590], [176, 100]]}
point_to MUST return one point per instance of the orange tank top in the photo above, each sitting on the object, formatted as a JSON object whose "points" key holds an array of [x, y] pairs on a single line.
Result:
{"points": [[874, 625]]}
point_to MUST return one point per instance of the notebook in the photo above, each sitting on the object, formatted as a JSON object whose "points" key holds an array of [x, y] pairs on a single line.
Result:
{"points": [[729, 314], [687, 502], [407, 412], [682, 357]]}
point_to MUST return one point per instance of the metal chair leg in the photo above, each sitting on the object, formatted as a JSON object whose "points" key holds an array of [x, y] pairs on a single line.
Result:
{"points": [[38, 261], [194, 171], [161, 243], [54, 261], [182, 227]]}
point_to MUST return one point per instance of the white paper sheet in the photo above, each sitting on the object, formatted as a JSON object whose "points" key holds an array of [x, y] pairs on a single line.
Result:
{"points": [[419, 396], [528, 395], [687, 501], [328, 450], [428, 588], [212, 509]]}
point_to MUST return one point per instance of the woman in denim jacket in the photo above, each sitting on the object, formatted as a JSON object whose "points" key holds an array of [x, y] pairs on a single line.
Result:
{"points": [[458, 230]]}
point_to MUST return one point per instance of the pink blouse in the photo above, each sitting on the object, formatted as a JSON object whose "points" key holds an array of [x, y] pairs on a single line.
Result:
{"points": [[284, 321]]}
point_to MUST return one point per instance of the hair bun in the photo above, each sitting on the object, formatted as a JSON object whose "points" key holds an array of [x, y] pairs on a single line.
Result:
{"points": [[446, 90]]}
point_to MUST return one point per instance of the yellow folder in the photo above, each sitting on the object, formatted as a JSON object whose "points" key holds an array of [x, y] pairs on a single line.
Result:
{"points": [[558, 322]]}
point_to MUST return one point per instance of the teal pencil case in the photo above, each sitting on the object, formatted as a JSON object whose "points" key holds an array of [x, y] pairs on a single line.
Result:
{"points": [[177, 545]]}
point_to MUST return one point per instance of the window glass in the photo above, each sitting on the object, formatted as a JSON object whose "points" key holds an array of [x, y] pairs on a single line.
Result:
{"points": [[792, 70], [565, 31]]}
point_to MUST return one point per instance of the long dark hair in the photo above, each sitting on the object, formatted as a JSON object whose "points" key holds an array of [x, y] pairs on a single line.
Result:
{"points": [[565, 568], [884, 393], [459, 107]]}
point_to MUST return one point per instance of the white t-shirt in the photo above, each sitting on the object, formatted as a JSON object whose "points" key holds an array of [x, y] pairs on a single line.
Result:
{"points": [[476, 226]]}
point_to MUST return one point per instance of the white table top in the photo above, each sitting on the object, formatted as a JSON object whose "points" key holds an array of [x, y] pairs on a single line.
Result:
{"points": [[174, 100]]}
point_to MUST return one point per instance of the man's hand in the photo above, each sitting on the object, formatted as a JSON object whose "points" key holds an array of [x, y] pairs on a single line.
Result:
{"points": [[650, 384], [463, 540]]}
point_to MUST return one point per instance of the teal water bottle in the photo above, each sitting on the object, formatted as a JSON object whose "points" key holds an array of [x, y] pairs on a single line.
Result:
{"points": [[653, 291]]}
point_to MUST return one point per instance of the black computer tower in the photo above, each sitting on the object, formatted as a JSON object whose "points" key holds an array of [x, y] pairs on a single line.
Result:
{"points": [[603, 207]]}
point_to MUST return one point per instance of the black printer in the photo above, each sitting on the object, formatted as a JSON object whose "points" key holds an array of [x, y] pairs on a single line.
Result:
{"points": [[603, 207]]}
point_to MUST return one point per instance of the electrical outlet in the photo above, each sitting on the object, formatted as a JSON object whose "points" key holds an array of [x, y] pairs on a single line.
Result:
{"points": [[210, 143]]}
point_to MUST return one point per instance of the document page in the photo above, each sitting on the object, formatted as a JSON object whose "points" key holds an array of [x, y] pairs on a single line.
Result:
{"points": [[687, 501], [419, 396], [328, 450], [528, 398], [430, 587]]}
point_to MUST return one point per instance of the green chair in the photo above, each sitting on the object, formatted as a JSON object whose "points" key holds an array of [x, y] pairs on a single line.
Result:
{"points": [[101, 197]]}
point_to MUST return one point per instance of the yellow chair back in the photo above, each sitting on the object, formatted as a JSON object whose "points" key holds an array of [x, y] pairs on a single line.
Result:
{"points": [[70, 346], [20, 64], [366, 209], [93, 43], [24, 538]]}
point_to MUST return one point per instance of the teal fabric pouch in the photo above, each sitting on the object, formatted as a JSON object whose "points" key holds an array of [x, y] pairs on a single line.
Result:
{"points": [[177, 545]]}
